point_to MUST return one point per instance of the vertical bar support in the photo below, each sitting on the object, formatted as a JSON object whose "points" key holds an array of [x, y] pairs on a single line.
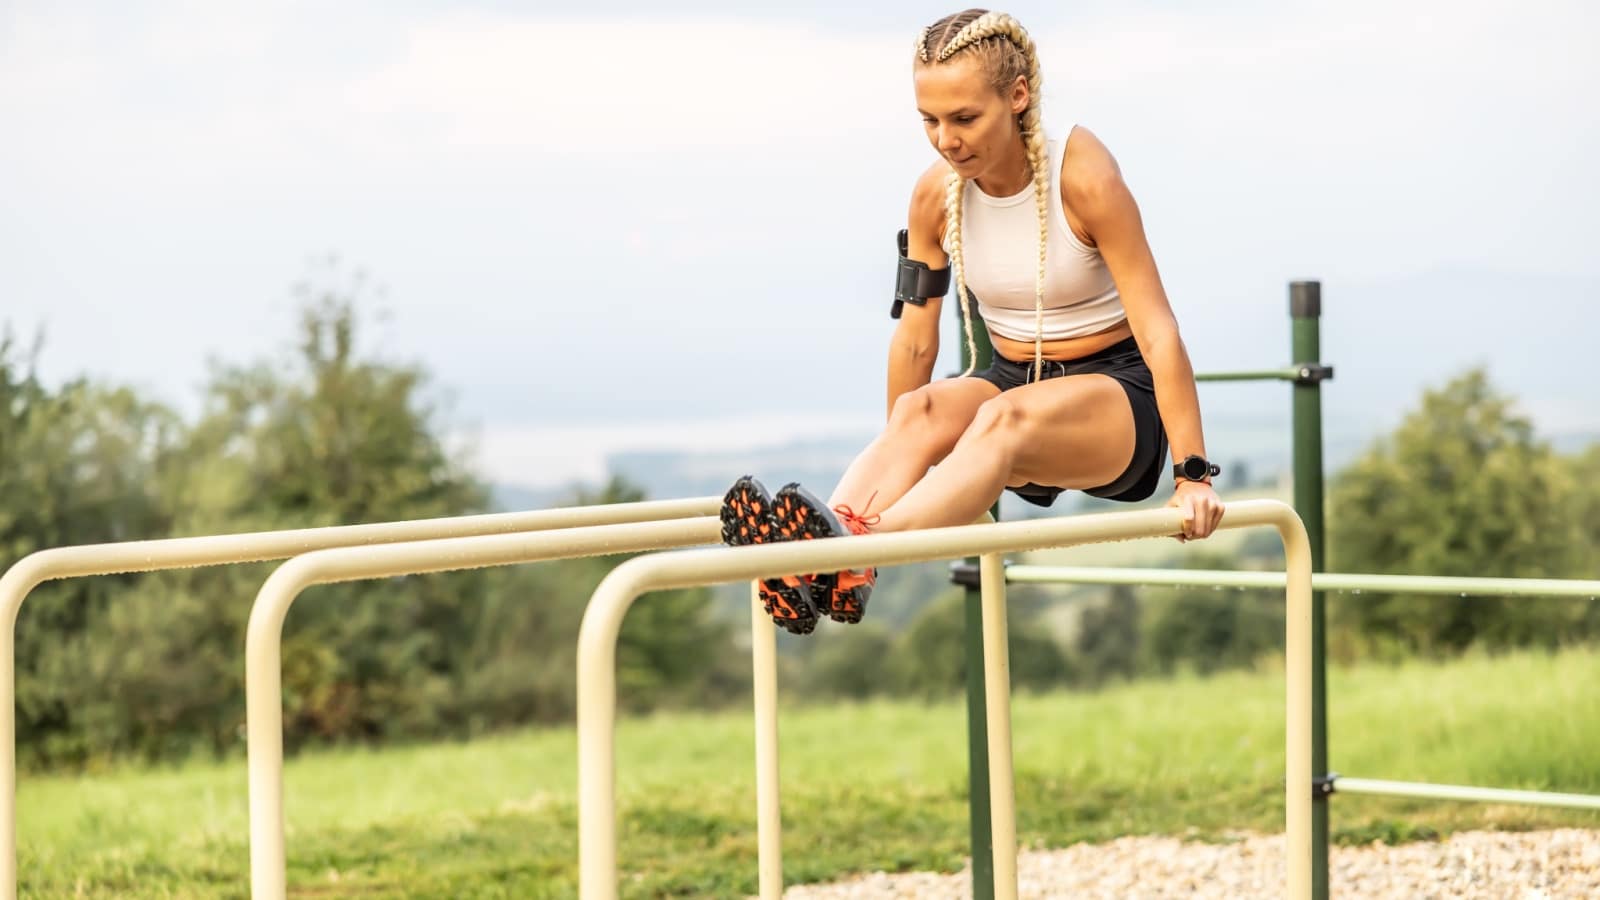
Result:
{"points": [[1299, 808], [1305, 311], [997, 680], [978, 775], [764, 677]]}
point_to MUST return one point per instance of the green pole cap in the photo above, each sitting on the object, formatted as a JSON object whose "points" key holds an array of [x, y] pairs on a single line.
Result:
{"points": [[1305, 299]]}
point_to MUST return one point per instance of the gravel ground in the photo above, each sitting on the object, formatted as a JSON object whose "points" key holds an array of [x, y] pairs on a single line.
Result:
{"points": [[1494, 865]]}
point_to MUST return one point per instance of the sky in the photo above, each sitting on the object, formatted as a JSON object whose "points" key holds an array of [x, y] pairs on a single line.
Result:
{"points": [[621, 225]]}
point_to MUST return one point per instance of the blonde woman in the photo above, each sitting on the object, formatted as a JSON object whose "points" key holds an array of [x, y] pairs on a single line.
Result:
{"points": [[1090, 381]]}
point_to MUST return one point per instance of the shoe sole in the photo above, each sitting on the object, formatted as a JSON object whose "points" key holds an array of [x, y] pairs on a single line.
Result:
{"points": [[799, 516], [747, 520]]}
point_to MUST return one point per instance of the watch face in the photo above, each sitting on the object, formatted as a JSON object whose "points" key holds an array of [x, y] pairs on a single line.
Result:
{"points": [[1194, 468]]}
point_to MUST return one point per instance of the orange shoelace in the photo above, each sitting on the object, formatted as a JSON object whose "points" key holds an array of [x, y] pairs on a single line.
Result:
{"points": [[856, 522]]}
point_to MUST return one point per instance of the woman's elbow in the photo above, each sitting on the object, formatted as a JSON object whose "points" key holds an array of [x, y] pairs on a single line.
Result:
{"points": [[1160, 339]]}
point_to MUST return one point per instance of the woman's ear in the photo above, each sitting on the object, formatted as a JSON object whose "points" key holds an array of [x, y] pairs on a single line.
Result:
{"points": [[1020, 94]]}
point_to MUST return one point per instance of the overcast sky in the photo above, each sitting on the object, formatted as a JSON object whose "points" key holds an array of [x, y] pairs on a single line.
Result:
{"points": [[576, 215]]}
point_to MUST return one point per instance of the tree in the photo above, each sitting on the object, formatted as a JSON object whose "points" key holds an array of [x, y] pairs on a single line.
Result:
{"points": [[850, 662], [1107, 642], [80, 464], [1462, 487], [1211, 630], [150, 665], [330, 437], [930, 655], [329, 434], [1585, 474]]}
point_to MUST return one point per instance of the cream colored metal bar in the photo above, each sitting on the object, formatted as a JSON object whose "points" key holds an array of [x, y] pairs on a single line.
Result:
{"points": [[597, 638], [1345, 785], [180, 553], [263, 637], [1321, 581], [764, 674], [997, 703]]}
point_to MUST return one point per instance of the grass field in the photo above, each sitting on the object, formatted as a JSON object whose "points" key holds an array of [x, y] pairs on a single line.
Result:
{"points": [[876, 786]]}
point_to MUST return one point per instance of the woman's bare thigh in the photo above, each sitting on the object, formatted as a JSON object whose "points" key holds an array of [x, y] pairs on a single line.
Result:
{"points": [[940, 411], [1072, 432]]}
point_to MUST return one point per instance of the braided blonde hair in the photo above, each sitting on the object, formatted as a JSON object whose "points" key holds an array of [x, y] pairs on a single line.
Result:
{"points": [[1004, 51]]}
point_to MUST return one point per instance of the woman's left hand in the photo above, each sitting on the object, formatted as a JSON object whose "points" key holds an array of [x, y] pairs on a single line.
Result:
{"points": [[1202, 509]]}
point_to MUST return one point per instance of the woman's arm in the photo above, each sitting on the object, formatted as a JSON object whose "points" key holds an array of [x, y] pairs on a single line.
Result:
{"points": [[915, 344], [1092, 187]]}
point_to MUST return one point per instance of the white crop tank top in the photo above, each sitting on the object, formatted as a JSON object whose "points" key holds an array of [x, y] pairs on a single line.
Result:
{"points": [[1000, 240]]}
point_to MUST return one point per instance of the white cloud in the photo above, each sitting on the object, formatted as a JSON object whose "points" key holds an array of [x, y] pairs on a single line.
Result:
{"points": [[562, 89], [541, 193]]}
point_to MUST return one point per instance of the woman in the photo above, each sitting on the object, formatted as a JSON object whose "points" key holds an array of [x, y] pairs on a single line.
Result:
{"points": [[1090, 378]]}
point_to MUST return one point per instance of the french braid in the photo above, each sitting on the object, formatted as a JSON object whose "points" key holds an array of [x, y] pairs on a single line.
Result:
{"points": [[1005, 51]]}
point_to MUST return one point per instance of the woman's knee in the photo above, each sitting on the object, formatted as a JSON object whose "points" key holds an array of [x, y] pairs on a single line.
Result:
{"points": [[926, 425], [912, 408], [1000, 421], [925, 413]]}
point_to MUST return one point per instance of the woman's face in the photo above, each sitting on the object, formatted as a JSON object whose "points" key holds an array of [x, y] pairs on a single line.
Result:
{"points": [[969, 123]]}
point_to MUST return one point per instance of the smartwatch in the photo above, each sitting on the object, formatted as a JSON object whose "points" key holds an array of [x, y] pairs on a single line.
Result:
{"points": [[1195, 468]]}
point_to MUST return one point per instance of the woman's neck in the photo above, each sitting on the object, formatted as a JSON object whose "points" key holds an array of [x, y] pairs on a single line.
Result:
{"points": [[1008, 176]]}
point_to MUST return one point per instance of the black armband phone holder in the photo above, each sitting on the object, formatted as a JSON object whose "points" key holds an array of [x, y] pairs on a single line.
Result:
{"points": [[915, 282]]}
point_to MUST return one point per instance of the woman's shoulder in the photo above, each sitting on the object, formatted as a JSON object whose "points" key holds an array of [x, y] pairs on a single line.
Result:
{"points": [[928, 199], [1087, 166]]}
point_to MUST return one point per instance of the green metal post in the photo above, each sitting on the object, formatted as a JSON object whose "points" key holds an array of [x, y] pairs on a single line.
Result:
{"points": [[1305, 311], [977, 707]]}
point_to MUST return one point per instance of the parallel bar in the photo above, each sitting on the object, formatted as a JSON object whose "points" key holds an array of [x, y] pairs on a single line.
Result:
{"points": [[177, 553], [997, 702], [602, 622], [1345, 785], [264, 637], [1329, 581], [764, 674]]}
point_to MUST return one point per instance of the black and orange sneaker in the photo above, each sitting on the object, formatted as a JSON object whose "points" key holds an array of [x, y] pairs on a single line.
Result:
{"points": [[747, 519], [798, 515]]}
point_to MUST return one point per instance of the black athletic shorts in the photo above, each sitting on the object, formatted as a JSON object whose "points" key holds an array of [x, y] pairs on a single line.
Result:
{"points": [[1126, 364]]}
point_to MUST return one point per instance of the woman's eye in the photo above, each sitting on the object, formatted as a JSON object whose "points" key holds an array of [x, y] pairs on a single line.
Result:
{"points": [[964, 120]]}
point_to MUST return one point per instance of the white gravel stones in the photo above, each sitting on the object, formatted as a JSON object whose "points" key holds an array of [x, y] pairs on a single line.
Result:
{"points": [[1493, 865]]}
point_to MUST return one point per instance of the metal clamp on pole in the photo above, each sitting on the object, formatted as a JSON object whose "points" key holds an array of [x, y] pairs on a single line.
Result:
{"points": [[964, 574], [1322, 785], [1312, 373]]}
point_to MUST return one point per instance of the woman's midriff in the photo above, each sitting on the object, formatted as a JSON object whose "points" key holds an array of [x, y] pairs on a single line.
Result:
{"points": [[1065, 349]]}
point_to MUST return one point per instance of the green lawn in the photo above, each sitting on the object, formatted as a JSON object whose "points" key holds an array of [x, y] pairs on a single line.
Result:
{"points": [[864, 787]]}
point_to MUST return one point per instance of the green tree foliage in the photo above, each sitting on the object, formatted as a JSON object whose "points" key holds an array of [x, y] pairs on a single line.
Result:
{"points": [[929, 657], [1208, 631], [1462, 487], [328, 436], [850, 663], [1585, 474], [332, 434], [1108, 640], [83, 463]]}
